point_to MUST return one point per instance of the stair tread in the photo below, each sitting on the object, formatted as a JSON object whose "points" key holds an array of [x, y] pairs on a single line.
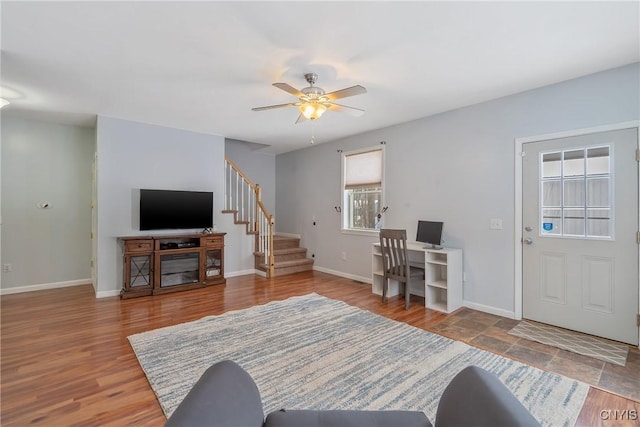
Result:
{"points": [[288, 251], [285, 251], [280, 242], [282, 264], [278, 237]]}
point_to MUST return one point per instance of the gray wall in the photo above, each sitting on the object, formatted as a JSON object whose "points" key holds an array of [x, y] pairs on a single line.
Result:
{"points": [[457, 167], [51, 162], [45, 162], [132, 156]]}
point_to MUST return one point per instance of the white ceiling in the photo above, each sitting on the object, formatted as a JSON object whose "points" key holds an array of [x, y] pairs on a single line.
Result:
{"points": [[202, 66]]}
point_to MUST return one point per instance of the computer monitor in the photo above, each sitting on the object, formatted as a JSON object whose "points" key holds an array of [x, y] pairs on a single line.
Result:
{"points": [[430, 232]]}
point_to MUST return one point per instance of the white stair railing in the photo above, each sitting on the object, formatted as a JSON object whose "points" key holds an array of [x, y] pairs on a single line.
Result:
{"points": [[243, 198]]}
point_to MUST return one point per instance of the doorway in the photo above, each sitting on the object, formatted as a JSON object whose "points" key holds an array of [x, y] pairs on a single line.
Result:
{"points": [[578, 225]]}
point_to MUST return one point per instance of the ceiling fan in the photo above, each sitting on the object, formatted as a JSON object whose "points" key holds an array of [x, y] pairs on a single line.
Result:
{"points": [[313, 101]]}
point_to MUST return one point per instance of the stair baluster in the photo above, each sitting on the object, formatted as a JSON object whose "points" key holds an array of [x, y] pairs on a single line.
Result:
{"points": [[244, 200]]}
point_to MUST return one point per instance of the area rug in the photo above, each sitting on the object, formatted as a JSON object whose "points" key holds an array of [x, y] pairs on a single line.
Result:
{"points": [[575, 342], [317, 353]]}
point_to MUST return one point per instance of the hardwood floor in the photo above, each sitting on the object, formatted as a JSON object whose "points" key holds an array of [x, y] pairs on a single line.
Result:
{"points": [[66, 361]]}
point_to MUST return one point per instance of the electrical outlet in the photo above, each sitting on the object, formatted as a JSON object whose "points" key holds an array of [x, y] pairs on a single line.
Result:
{"points": [[344, 256], [495, 223], [6, 268]]}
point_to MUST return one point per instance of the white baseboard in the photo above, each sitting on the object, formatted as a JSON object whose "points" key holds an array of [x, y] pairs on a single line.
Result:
{"points": [[475, 306], [242, 273], [316, 268], [488, 309], [43, 286], [113, 293], [341, 274], [260, 273], [105, 294]]}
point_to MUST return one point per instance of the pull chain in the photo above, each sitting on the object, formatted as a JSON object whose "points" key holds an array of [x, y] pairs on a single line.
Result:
{"points": [[313, 127]]}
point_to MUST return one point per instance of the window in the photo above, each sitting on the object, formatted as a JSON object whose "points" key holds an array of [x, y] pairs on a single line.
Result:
{"points": [[362, 189], [576, 188]]}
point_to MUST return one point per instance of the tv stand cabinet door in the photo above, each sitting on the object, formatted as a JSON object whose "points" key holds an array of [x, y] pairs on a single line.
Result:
{"points": [[214, 259], [138, 268], [177, 269]]}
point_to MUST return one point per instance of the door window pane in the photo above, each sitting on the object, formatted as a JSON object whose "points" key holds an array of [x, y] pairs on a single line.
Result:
{"points": [[598, 161], [598, 192], [552, 193], [551, 166], [575, 193], [598, 222], [573, 163], [552, 221], [574, 222]]}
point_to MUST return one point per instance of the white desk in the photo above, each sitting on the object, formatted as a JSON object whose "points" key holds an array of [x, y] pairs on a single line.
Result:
{"points": [[442, 285]]}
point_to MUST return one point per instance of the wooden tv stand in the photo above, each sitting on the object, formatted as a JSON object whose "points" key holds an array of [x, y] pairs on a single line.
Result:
{"points": [[160, 264]]}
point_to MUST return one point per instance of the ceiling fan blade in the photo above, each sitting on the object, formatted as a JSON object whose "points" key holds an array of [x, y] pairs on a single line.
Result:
{"points": [[288, 88], [271, 107], [301, 118], [343, 93], [343, 108]]}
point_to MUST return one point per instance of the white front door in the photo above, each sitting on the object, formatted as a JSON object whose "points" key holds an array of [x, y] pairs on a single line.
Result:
{"points": [[580, 218]]}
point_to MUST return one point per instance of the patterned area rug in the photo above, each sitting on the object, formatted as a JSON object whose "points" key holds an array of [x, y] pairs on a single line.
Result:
{"points": [[575, 342], [317, 353]]}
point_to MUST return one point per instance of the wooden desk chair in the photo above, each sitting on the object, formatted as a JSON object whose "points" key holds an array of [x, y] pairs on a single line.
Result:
{"points": [[395, 262]]}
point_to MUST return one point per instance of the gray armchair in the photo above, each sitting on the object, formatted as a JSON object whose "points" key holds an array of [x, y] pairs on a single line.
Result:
{"points": [[226, 396]]}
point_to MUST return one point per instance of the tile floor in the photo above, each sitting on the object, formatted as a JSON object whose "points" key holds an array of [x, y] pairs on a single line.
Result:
{"points": [[490, 332], [587, 345]]}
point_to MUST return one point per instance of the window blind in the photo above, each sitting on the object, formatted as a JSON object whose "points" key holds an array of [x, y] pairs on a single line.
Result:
{"points": [[363, 170]]}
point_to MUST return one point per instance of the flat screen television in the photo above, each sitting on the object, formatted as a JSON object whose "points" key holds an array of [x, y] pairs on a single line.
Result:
{"points": [[430, 232], [173, 209]]}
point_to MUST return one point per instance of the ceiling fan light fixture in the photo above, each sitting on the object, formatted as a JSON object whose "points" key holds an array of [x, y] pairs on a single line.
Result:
{"points": [[313, 101], [312, 110]]}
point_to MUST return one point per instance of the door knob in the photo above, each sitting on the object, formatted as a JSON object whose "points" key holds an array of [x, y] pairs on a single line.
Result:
{"points": [[527, 241]]}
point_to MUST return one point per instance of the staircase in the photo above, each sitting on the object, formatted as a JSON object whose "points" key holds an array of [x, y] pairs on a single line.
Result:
{"points": [[289, 257], [275, 255]]}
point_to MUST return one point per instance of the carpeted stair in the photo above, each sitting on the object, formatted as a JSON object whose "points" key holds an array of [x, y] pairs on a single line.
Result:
{"points": [[289, 257]]}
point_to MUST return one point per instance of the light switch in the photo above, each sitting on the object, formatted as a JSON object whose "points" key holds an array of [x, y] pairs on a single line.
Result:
{"points": [[495, 223]]}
